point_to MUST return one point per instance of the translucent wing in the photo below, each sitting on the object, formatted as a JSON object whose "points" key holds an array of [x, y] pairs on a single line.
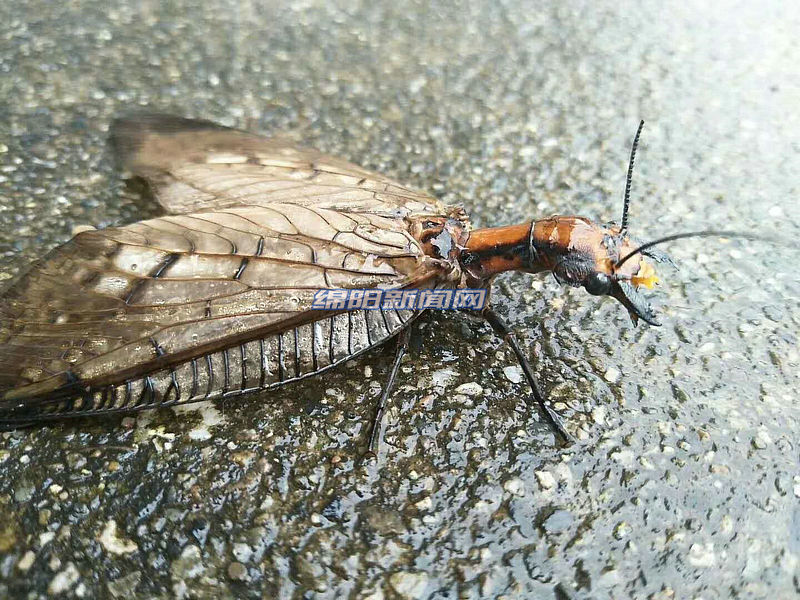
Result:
{"points": [[196, 165], [129, 311]]}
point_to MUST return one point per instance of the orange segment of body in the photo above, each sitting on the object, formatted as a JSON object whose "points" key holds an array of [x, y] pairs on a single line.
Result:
{"points": [[646, 276]]}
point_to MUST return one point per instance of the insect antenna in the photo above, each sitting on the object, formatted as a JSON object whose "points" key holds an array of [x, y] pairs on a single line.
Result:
{"points": [[629, 179], [689, 234]]}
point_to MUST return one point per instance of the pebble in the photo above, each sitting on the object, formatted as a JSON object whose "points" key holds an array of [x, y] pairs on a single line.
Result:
{"points": [[409, 585], [761, 440], [775, 211], [189, 565], [612, 375], [702, 555], [622, 530], [124, 586], [443, 377], [26, 562], [469, 389], [425, 504], [515, 486], [560, 520], [113, 543], [63, 580], [237, 571], [624, 457], [706, 348], [513, 373], [242, 552], [545, 479]]}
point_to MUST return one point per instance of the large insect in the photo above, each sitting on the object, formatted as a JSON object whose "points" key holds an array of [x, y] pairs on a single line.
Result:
{"points": [[213, 299]]}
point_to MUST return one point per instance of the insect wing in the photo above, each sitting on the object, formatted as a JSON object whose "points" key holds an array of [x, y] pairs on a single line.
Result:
{"points": [[111, 306], [194, 165]]}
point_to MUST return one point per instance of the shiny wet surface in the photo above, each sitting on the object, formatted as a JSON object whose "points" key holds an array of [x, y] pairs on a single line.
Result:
{"points": [[685, 478]]}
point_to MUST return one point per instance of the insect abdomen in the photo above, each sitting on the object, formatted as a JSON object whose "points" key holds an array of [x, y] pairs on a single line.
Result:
{"points": [[260, 364]]}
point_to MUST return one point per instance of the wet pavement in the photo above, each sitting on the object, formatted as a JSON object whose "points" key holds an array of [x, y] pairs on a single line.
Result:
{"points": [[684, 481]]}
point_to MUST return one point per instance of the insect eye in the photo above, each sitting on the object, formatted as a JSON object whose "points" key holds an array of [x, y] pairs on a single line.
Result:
{"points": [[598, 284]]}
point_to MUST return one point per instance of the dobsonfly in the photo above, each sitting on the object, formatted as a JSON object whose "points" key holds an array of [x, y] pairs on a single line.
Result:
{"points": [[212, 300]]}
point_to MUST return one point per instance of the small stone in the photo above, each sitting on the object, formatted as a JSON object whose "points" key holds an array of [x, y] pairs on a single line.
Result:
{"points": [[425, 504], [624, 457], [545, 479], [515, 487], [26, 562], [561, 520], [124, 586], [706, 348], [612, 375], [242, 552], [726, 524], [114, 544], [702, 555], [443, 377], [469, 389], [409, 585], [237, 571], [513, 373], [761, 440], [622, 530], [54, 563], [63, 580], [55, 489], [189, 565]]}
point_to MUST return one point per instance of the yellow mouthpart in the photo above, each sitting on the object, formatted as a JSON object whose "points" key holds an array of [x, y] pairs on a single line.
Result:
{"points": [[646, 276]]}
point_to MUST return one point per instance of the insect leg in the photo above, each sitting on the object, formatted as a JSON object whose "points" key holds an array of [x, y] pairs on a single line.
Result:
{"points": [[502, 329], [377, 422]]}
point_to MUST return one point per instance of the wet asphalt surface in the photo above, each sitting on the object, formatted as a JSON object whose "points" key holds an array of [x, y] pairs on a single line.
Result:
{"points": [[684, 480]]}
